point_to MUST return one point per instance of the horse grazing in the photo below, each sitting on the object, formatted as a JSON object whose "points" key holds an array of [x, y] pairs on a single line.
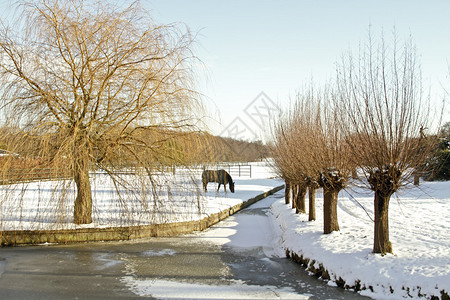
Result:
{"points": [[219, 176]]}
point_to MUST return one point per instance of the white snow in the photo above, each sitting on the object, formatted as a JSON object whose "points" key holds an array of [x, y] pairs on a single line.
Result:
{"points": [[246, 231], [240, 231], [165, 289], [419, 222], [43, 205], [162, 252], [419, 231]]}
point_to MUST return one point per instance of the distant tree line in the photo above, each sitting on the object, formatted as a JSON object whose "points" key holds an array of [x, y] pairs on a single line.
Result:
{"points": [[437, 166], [168, 148]]}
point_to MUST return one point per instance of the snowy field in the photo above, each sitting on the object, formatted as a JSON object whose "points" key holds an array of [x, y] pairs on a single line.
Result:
{"points": [[45, 205], [419, 229], [419, 220]]}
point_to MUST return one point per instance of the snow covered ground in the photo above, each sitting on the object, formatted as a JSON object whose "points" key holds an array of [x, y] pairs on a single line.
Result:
{"points": [[419, 230], [49, 205], [165, 289], [242, 232], [419, 220]]}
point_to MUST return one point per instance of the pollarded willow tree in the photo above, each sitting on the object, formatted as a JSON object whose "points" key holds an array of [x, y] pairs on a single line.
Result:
{"points": [[384, 114], [332, 160], [289, 141], [309, 150], [99, 85], [304, 127]]}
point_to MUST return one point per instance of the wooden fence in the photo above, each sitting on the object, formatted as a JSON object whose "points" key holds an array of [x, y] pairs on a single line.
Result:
{"points": [[10, 176], [239, 170], [17, 175]]}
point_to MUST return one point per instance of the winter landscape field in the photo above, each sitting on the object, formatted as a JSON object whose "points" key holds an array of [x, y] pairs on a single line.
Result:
{"points": [[49, 204], [419, 232]]}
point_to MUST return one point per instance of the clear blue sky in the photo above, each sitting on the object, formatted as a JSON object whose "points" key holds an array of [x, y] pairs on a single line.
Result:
{"points": [[276, 47]]}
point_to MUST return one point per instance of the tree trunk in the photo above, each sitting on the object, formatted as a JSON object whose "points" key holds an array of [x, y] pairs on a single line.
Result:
{"points": [[301, 195], [83, 203], [294, 189], [381, 243], [287, 193], [416, 178], [312, 203], [384, 182], [330, 218]]}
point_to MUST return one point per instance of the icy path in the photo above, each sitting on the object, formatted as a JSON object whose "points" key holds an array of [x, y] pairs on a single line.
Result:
{"points": [[235, 259]]}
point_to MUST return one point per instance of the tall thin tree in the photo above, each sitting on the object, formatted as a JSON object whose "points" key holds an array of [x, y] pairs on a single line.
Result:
{"points": [[384, 115]]}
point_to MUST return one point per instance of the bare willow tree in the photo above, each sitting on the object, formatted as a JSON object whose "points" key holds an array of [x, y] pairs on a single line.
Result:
{"points": [[332, 159], [99, 85], [309, 152], [282, 156], [304, 127], [384, 115], [312, 150]]}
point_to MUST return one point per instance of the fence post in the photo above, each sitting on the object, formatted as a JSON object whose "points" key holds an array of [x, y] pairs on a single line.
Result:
{"points": [[416, 178]]}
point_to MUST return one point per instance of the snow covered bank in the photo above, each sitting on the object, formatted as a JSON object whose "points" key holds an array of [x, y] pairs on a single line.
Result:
{"points": [[49, 205], [419, 231], [34, 213]]}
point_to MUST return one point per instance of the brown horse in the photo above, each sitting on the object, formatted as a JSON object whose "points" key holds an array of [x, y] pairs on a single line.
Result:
{"points": [[219, 176]]}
